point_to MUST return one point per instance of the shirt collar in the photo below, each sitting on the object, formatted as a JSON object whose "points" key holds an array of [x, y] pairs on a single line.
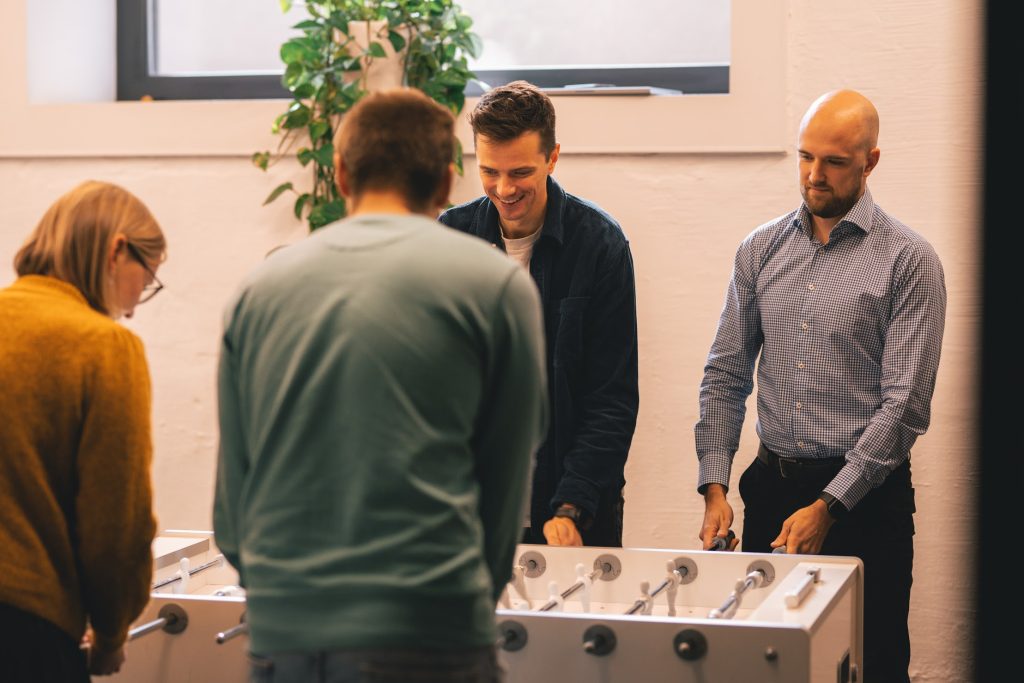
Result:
{"points": [[859, 214]]}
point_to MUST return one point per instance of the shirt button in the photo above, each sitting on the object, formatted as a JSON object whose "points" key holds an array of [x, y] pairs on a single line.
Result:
{"points": [[810, 286], [803, 326], [800, 365], [800, 444], [799, 405]]}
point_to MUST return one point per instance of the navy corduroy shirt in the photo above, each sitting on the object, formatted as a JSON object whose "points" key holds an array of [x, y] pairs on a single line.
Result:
{"points": [[583, 267]]}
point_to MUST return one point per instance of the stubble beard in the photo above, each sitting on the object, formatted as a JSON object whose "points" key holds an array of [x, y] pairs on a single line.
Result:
{"points": [[834, 207]]}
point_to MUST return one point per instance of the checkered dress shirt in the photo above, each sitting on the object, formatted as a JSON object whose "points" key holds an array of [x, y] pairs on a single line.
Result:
{"points": [[846, 337]]}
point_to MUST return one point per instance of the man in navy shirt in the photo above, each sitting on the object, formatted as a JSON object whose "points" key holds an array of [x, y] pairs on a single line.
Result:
{"points": [[842, 307], [580, 260]]}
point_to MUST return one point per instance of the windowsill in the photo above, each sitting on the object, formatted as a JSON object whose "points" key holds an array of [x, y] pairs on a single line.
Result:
{"points": [[749, 119]]}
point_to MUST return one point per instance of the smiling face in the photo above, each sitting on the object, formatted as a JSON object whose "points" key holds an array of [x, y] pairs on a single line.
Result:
{"points": [[514, 176]]}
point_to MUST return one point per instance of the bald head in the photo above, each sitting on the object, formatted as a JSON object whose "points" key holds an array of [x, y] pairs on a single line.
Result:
{"points": [[838, 150], [846, 114]]}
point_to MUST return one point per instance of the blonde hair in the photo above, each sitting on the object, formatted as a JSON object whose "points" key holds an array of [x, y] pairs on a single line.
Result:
{"points": [[72, 240]]}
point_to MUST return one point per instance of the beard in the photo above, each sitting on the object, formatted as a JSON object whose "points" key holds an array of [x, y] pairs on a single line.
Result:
{"points": [[831, 205]]}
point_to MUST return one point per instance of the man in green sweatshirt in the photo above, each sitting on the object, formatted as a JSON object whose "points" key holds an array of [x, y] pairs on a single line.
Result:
{"points": [[381, 393]]}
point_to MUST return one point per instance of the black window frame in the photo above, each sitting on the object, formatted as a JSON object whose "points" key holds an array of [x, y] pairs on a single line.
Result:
{"points": [[135, 80]]}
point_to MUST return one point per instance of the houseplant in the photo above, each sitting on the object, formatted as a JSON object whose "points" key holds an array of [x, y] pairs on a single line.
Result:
{"points": [[326, 68]]}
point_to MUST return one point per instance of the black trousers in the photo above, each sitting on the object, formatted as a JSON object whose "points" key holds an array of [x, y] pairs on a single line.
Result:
{"points": [[34, 650], [879, 530]]}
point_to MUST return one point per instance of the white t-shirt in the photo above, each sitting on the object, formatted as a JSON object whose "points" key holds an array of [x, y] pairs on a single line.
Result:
{"points": [[521, 248]]}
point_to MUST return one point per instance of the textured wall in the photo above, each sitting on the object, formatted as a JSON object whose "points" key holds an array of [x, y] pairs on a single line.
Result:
{"points": [[685, 214]]}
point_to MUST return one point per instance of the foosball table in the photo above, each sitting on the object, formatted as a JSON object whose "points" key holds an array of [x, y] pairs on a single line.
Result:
{"points": [[568, 614]]}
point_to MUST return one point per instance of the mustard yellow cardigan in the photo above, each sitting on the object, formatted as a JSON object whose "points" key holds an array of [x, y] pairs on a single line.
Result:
{"points": [[76, 520]]}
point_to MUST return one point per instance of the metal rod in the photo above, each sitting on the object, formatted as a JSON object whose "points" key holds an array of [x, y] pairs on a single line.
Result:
{"points": [[172, 619], [732, 603], [149, 627], [191, 572], [225, 636], [639, 604], [551, 604]]}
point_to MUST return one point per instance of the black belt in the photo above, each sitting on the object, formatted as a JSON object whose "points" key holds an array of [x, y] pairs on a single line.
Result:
{"points": [[791, 468]]}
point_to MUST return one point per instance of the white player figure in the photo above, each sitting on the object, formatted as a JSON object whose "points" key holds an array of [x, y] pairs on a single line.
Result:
{"points": [[583, 577], [182, 573], [556, 597], [674, 579]]}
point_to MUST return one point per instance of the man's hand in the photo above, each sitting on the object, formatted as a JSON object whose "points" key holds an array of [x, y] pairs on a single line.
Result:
{"points": [[562, 531], [805, 530], [717, 517]]}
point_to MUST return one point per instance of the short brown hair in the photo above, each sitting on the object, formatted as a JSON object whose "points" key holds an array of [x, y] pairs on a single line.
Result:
{"points": [[506, 112], [397, 139], [72, 240]]}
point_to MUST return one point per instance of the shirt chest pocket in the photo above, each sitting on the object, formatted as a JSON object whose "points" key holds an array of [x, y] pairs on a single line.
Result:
{"points": [[569, 315]]}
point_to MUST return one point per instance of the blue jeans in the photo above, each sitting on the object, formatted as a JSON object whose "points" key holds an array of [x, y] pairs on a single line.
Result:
{"points": [[477, 665]]}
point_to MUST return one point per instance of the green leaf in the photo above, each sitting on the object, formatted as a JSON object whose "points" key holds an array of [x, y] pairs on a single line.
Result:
{"points": [[291, 52], [377, 50], [477, 45], [450, 77], [317, 129], [458, 157], [397, 40], [261, 159], [277, 192], [325, 213], [305, 155], [458, 101], [293, 74], [301, 202], [296, 119], [325, 155], [286, 5], [304, 91], [276, 128], [307, 24], [339, 21]]}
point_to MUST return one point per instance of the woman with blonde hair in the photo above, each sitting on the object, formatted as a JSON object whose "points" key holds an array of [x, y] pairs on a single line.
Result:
{"points": [[76, 520]]}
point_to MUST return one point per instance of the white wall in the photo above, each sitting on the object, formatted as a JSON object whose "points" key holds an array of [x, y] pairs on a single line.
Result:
{"points": [[685, 213]]}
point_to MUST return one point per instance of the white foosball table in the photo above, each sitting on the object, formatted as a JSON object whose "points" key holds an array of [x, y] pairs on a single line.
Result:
{"points": [[569, 614]]}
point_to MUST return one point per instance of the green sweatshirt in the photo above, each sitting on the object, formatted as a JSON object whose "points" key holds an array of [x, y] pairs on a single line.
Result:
{"points": [[381, 396]]}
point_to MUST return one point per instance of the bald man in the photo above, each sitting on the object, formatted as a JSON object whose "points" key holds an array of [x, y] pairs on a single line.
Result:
{"points": [[842, 308]]}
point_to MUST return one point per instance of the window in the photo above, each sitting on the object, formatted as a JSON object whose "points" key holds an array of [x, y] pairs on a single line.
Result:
{"points": [[197, 49], [750, 118]]}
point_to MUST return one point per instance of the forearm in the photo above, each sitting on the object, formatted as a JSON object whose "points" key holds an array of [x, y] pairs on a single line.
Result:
{"points": [[115, 534], [115, 524], [595, 462]]}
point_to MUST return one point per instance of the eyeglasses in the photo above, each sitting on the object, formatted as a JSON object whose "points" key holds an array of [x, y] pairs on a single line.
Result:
{"points": [[150, 290]]}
